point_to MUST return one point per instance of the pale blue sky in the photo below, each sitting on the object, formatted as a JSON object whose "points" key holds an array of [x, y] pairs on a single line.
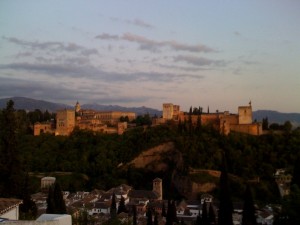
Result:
{"points": [[220, 54]]}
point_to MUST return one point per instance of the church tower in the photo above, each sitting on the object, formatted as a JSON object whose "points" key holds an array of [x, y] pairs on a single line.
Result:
{"points": [[157, 187]]}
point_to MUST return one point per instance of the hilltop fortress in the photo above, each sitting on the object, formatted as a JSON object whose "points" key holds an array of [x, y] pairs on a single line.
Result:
{"points": [[109, 121], [85, 119], [221, 121]]}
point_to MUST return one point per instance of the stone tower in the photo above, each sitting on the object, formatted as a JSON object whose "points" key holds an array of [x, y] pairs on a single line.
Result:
{"points": [[245, 114], [157, 187]]}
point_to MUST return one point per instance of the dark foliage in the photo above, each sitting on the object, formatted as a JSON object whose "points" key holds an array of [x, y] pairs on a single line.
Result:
{"points": [[10, 167], [113, 207], [149, 216], [226, 207], [122, 207], [55, 201], [249, 217]]}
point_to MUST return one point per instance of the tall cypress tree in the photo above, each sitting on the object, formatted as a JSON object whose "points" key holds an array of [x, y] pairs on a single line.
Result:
{"points": [[122, 207], [248, 210], [60, 205], [55, 200], [169, 220], [28, 209], [149, 216], [226, 208], [134, 220], [155, 220], [50, 201], [198, 220], [204, 214], [211, 215], [10, 169], [163, 211], [296, 173], [113, 207]]}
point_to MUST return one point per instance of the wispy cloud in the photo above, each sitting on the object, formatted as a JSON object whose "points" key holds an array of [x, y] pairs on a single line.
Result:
{"points": [[73, 70], [153, 45], [106, 36], [135, 22], [198, 61], [139, 23], [53, 46]]}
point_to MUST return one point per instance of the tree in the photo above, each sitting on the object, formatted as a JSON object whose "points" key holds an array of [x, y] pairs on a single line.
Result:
{"points": [[296, 173], [155, 220], [28, 209], [211, 215], [10, 165], [163, 211], [171, 213], [122, 207], [59, 201], [287, 126], [55, 201], [205, 220], [50, 201], [134, 221], [290, 208], [248, 210], [113, 207], [198, 220], [265, 123], [149, 216], [169, 219], [226, 208]]}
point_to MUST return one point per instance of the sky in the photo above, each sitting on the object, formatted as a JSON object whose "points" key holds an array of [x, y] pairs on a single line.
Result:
{"points": [[219, 54]]}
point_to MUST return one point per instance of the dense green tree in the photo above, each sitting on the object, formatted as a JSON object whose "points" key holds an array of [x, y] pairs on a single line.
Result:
{"points": [[205, 219], [296, 173], [149, 216], [287, 126], [212, 215], [28, 208], [163, 211], [289, 214], [55, 201], [50, 201], [60, 205], [226, 207], [248, 217], [171, 213], [10, 166], [155, 222], [134, 219], [265, 123], [169, 219], [198, 220], [113, 207], [122, 207]]}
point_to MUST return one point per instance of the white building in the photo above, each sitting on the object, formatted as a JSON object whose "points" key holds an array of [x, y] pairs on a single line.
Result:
{"points": [[9, 208]]}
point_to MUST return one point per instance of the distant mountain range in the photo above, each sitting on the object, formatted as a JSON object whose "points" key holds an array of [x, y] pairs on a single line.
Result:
{"points": [[277, 117], [29, 104], [32, 104]]}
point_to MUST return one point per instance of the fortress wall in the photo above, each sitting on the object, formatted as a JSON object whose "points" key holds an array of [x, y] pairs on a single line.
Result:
{"points": [[253, 129]]}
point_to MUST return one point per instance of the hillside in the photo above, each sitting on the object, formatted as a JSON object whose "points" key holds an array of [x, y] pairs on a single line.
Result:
{"points": [[30, 104], [277, 117]]}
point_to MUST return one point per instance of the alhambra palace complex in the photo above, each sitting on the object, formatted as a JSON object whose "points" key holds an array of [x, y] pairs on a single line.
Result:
{"points": [[109, 121], [222, 121]]}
